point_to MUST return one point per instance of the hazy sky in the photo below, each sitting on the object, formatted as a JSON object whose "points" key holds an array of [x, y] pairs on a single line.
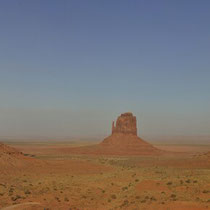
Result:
{"points": [[70, 67]]}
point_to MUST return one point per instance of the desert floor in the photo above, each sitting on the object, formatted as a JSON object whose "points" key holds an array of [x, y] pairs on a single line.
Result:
{"points": [[57, 180]]}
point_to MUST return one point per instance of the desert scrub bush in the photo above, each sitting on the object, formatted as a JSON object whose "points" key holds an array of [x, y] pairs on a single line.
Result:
{"points": [[15, 198], [136, 180], [124, 188], [66, 199], [173, 196], [27, 192], [3, 185], [58, 199], [113, 196], [125, 203], [169, 183], [11, 190], [188, 181], [153, 198], [206, 191]]}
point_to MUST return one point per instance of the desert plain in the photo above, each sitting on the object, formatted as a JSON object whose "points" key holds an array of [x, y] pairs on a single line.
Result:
{"points": [[45, 177]]}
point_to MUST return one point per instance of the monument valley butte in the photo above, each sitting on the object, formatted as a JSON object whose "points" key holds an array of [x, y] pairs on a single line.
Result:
{"points": [[121, 172], [122, 141]]}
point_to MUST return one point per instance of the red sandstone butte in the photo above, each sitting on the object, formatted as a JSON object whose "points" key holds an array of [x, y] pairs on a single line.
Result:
{"points": [[125, 124], [124, 139]]}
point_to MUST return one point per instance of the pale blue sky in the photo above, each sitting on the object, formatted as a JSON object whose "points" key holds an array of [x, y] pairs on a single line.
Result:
{"points": [[68, 68]]}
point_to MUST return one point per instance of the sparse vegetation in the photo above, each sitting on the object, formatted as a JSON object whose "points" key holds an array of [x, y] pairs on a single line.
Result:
{"points": [[27, 192], [206, 191], [66, 199], [78, 186], [113, 196]]}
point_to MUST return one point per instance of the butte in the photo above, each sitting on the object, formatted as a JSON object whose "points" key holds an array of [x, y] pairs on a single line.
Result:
{"points": [[122, 141]]}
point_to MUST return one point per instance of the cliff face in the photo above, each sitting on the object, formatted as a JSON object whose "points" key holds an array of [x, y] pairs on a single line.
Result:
{"points": [[125, 124]]}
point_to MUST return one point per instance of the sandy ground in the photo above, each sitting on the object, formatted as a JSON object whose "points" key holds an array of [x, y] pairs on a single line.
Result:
{"points": [[66, 181]]}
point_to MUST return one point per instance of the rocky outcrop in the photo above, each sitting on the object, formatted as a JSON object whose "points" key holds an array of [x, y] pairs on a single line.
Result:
{"points": [[4, 149], [125, 124], [13, 161]]}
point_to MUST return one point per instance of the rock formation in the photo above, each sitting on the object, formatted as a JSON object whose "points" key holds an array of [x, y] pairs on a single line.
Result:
{"points": [[125, 124], [124, 139]]}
